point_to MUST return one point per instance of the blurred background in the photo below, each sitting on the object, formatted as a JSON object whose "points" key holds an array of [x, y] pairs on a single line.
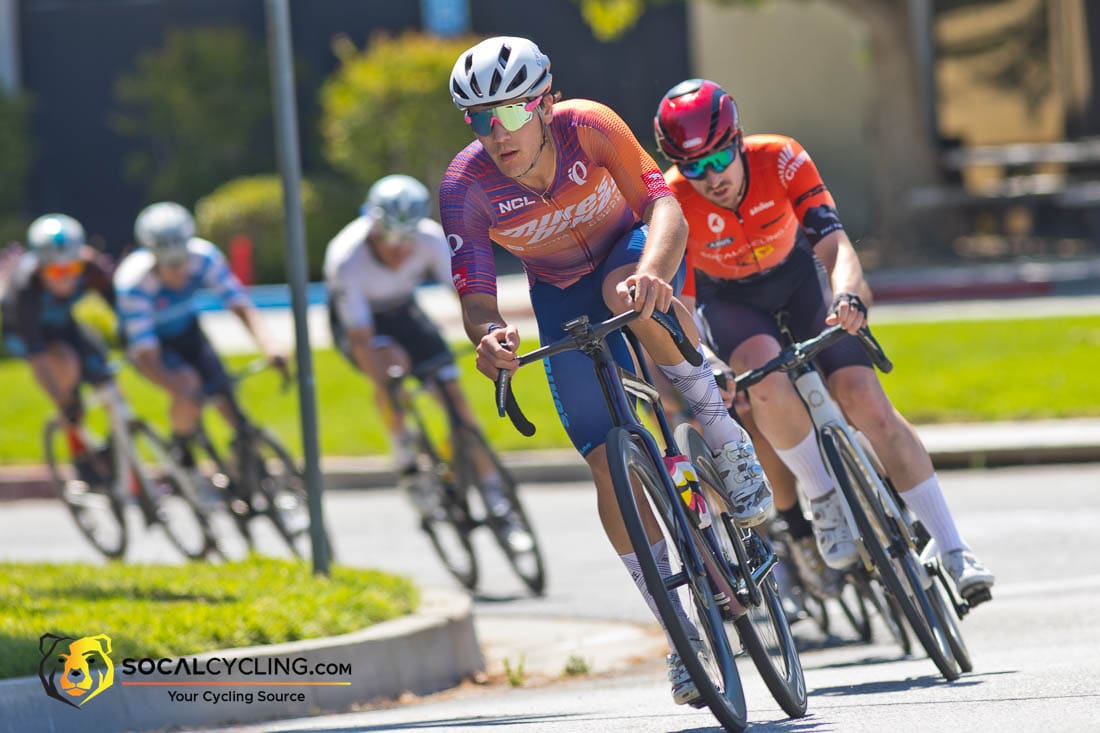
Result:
{"points": [[950, 131]]}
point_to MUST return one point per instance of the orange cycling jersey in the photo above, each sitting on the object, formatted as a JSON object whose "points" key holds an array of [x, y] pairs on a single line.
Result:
{"points": [[784, 193]]}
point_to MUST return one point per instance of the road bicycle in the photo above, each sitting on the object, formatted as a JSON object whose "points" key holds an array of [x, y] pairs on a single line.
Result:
{"points": [[893, 547], [255, 476], [445, 475], [115, 460], [720, 588]]}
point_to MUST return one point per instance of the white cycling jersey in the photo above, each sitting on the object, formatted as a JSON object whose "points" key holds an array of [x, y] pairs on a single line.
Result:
{"points": [[359, 285]]}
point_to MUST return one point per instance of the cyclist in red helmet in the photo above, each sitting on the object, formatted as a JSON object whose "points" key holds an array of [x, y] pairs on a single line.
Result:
{"points": [[764, 235]]}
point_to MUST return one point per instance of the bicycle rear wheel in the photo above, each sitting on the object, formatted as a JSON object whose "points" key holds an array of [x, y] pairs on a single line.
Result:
{"points": [[684, 599], [448, 526], [170, 493], [283, 487], [896, 564], [526, 560], [96, 509], [765, 630]]}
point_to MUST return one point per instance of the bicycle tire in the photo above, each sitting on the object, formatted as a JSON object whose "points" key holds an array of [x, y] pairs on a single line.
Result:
{"points": [[765, 630], [885, 607], [945, 609], [286, 499], [527, 563], [171, 494], [235, 506], [894, 561], [89, 509], [854, 605], [448, 527], [717, 678]]}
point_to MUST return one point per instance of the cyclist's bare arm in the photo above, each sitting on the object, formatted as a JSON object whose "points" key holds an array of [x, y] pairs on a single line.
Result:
{"points": [[149, 363], [359, 342], [486, 328], [841, 262], [664, 249], [43, 372], [250, 316]]}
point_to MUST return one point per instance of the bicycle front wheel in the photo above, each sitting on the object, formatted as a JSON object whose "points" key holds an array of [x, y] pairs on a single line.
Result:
{"points": [[681, 590], [283, 486], [895, 562], [96, 509], [512, 529], [170, 492], [765, 630]]}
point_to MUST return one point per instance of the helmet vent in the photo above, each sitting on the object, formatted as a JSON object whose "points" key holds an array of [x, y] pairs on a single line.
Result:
{"points": [[518, 81]]}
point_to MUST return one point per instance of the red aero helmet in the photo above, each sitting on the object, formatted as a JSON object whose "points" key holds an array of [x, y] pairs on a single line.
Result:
{"points": [[695, 117]]}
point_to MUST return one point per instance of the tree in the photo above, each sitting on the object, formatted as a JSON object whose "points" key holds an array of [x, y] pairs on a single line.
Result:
{"points": [[200, 109], [906, 155], [396, 86], [15, 162]]}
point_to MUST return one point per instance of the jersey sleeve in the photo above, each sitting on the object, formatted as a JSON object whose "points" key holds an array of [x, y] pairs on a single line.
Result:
{"points": [[136, 319], [98, 272], [463, 210], [610, 142], [811, 200], [350, 302], [440, 266], [25, 322], [219, 279]]}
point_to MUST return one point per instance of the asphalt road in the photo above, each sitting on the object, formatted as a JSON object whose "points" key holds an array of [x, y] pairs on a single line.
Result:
{"points": [[1036, 647]]}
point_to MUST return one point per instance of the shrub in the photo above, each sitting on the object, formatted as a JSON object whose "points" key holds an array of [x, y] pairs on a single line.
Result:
{"points": [[399, 86], [254, 206], [200, 110]]}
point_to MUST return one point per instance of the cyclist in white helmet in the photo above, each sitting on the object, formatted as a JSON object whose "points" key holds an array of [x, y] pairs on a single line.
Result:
{"points": [[159, 322], [56, 271], [372, 269]]}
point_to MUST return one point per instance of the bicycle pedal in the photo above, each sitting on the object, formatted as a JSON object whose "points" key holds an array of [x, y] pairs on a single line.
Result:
{"points": [[978, 596]]}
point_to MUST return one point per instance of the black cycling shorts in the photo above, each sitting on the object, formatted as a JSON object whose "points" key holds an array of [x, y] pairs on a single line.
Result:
{"points": [[409, 327], [192, 348], [736, 311], [89, 348]]}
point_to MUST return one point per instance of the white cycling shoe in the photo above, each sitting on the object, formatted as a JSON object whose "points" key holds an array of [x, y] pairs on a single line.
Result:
{"points": [[834, 536], [973, 579], [684, 691], [746, 487]]}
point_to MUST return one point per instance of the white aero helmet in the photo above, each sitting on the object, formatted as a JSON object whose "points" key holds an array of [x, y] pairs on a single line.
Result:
{"points": [[398, 202], [165, 228], [55, 238], [497, 70]]}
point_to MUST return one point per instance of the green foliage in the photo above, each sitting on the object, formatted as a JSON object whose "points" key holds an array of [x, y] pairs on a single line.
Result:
{"points": [[516, 675], [199, 109], [15, 161], [163, 611], [576, 665], [609, 20], [387, 109], [254, 206]]}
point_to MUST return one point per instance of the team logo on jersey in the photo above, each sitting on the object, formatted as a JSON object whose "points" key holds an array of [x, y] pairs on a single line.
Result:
{"points": [[593, 207], [458, 277], [578, 173], [761, 207], [513, 204], [717, 243], [715, 222], [789, 163], [455, 242]]}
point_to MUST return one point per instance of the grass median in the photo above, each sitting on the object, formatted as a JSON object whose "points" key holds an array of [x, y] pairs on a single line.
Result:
{"points": [[164, 611], [945, 372]]}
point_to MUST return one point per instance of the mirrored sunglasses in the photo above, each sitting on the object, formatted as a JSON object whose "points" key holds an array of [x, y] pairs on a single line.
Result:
{"points": [[511, 116], [718, 160], [58, 270]]}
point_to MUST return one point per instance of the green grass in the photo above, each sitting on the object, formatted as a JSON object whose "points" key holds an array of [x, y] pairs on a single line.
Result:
{"points": [[958, 371], [160, 611]]}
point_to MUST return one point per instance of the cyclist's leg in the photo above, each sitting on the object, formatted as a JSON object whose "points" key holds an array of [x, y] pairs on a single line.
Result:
{"points": [[748, 491], [909, 466], [583, 412]]}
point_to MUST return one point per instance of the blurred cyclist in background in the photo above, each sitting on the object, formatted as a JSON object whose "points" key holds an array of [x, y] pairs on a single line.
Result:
{"points": [[372, 269], [159, 323], [56, 271]]}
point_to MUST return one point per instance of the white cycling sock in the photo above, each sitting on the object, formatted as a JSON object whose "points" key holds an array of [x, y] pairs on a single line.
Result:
{"points": [[660, 554], [805, 462], [700, 392], [927, 501]]}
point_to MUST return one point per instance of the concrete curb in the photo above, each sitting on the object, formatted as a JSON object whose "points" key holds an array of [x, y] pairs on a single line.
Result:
{"points": [[429, 651]]}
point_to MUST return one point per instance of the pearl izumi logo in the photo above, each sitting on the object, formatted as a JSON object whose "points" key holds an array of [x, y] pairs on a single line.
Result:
{"points": [[73, 671]]}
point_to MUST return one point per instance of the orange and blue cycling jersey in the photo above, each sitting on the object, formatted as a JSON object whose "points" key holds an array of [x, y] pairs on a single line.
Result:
{"points": [[604, 183], [784, 196]]}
